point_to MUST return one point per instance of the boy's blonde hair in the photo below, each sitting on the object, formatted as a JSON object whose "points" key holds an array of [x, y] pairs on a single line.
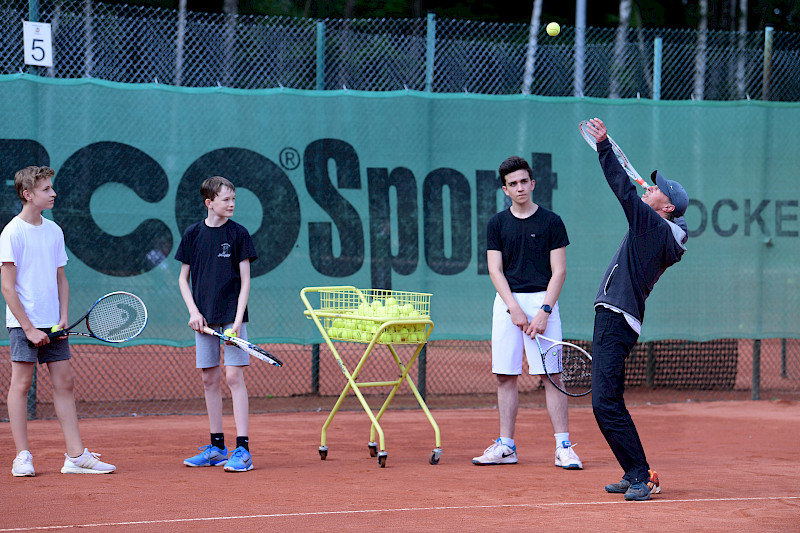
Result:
{"points": [[27, 178], [211, 187]]}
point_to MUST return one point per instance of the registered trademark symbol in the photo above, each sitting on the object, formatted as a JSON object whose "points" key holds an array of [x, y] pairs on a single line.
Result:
{"points": [[290, 158]]}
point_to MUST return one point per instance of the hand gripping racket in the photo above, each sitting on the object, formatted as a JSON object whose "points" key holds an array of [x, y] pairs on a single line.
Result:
{"points": [[242, 344], [115, 317], [572, 362], [623, 160]]}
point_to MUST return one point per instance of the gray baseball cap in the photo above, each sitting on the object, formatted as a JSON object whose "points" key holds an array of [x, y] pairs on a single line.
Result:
{"points": [[674, 190]]}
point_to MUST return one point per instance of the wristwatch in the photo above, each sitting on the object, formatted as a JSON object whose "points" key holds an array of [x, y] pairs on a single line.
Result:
{"points": [[546, 308]]}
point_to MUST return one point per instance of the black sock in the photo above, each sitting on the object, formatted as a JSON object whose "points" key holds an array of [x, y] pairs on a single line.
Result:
{"points": [[244, 442], [218, 440]]}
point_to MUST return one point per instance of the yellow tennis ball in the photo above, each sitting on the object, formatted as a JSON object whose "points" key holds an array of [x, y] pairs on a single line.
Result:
{"points": [[229, 332], [553, 29], [54, 328]]}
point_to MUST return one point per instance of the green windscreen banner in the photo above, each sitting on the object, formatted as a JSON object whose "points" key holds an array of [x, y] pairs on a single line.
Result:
{"points": [[394, 190]]}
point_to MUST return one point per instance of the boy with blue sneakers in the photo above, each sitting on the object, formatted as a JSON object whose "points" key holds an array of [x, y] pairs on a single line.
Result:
{"points": [[215, 284]]}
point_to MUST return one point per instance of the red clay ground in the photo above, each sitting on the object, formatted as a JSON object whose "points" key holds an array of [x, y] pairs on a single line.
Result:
{"points": [[725, 466]]}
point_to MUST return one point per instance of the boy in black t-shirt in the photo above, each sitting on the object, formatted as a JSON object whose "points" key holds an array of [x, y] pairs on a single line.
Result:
{"points": [[216, 254], [526, 254]]}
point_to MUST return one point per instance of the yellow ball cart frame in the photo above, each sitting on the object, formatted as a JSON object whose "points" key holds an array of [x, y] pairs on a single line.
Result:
{"points": [[373, 317]]}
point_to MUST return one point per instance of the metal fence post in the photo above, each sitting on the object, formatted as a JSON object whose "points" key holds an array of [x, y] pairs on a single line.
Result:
{"points": [[422, 370], [765, 86], [315, 369], [756, 369], [650, 365], [320, 63], [430, 53], [657, 47], [33, 10], [32, 415], [783, 358]]}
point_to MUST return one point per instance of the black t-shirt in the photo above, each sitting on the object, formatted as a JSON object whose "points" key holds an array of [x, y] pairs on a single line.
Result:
{"points": [[526, 245], [213, 256]]}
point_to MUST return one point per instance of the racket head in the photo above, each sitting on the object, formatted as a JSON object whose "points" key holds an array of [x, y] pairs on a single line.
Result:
{"points": [[568, 367], [256, 351], [117, 317], [583, 128]]}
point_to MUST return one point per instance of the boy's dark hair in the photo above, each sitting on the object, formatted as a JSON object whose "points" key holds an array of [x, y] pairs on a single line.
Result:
{"points": [[211, 187], [512, 164], [27, 178]]}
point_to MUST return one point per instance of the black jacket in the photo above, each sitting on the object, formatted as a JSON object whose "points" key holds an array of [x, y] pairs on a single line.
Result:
{"points": [[650, 246]]}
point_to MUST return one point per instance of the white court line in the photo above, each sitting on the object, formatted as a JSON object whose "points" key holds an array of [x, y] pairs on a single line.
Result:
{"points": [[396, 510]]}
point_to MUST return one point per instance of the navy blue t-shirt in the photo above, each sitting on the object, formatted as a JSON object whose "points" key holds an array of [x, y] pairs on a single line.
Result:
{"points": [[526, 245], [213, 256]]}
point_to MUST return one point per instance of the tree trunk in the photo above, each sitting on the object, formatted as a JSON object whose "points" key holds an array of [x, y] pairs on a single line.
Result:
{"points": [[580, 48], [231, 10], [530, 55], [179, 43], [88, 18], [700, 53], [740, 73], [620, 44]]}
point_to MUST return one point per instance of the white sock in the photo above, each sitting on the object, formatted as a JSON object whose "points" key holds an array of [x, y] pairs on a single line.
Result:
{"points": [[561, 437], [507, 441]]}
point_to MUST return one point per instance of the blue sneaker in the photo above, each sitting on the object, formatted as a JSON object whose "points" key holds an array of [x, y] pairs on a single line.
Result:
{"points": [[209, 456], [240, 461]]}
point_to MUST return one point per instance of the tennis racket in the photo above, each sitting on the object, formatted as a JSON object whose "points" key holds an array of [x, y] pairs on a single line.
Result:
{"points": [[623, 160], [242, 344], [115, 317], [573, 363]]}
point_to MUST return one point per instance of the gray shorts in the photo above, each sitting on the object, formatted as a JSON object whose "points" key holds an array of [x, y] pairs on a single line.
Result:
{"points": [[22, 352], [208, 352]]}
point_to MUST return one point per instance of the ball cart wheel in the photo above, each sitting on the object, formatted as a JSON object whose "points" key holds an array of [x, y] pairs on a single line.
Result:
{"points": [[435, 455]]}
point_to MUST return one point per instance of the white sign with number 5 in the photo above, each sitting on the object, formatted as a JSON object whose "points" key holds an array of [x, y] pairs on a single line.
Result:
{"points": [[38, 43]]}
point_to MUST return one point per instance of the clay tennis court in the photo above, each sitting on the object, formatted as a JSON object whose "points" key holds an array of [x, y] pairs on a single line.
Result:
{"points": [[724, 466]]}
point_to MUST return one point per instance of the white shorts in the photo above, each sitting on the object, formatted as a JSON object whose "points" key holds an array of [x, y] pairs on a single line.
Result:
{"points": [[509, 342]]}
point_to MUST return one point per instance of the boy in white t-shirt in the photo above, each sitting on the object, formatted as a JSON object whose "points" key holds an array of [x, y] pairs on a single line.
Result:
{"points": [[36, 291]]}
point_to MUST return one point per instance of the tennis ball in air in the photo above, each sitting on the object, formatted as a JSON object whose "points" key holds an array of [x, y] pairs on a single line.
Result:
{"points": [[229, 332], [553, 29], [54, 328]]}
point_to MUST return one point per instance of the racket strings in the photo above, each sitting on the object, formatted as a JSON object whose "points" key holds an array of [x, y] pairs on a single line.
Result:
{"points": [[573, 364], [117, 317], [576, 370]]}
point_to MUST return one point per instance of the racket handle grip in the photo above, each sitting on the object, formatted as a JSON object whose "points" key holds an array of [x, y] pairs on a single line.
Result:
{"points": [[51, 335]]}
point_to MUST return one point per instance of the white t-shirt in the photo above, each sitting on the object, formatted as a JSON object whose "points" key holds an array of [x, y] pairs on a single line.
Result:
{"points": [[37, 252]]}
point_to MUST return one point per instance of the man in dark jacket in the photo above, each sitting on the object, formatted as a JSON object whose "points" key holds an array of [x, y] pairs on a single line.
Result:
{"points": [[655, 240]]}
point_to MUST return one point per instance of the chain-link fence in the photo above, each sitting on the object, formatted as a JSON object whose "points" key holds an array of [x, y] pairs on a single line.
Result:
{"points": [[161, 380], [145, 45], [134, 44]]}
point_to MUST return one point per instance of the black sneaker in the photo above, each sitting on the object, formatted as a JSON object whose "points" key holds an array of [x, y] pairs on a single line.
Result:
{"points": [[618, 488]]}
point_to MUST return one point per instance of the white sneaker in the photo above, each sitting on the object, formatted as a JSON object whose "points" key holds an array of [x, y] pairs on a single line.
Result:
{"points": [[86, 463], [23, 465], [567, 458], [497, 454]]}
